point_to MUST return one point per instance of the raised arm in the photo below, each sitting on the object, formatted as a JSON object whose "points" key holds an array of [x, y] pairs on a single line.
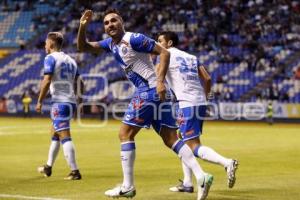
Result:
{"points": [[203, 74], [161, 69], [82, 43]]}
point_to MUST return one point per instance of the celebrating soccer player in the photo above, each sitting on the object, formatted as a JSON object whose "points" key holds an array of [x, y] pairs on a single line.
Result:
{"points": [[132, 51], [60, 75]]}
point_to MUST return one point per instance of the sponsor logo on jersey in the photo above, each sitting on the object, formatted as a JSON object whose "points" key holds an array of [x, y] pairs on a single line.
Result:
{"points": [[62, 124]]}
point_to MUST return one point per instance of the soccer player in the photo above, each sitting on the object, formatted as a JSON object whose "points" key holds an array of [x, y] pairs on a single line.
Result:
{"points": [[183, 77], [133, 52], [60, 75]]}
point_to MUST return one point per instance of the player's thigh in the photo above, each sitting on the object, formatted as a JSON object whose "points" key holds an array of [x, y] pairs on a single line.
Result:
{"points": [[128, 132], [64, 134], [140, 113], [61, 114], [191, 122], [169, 135], [165, 116]]}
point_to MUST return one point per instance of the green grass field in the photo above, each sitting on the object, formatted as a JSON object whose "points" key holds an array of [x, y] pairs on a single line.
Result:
{"points": [[269, 162]]}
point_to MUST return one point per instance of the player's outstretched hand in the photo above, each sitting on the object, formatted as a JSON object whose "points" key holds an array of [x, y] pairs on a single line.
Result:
{"points": [[38, 107], [86, 18], [161, 90]]}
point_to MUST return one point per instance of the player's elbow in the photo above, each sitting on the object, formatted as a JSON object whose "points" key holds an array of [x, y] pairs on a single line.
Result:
{"points": [[208, 79]]}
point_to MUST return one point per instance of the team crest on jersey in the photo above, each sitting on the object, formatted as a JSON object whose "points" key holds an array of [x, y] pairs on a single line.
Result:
{"points": [[124, 50]]}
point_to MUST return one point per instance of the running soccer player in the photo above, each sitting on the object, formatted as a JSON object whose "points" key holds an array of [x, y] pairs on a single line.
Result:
{"points": [[184, 78], [133, 52], [60, 75]]}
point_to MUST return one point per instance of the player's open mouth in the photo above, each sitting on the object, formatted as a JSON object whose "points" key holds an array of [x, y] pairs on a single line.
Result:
{"points": [[112, 31]]}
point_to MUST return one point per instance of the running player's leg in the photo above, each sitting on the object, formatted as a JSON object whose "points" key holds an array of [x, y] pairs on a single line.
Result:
{"points": [[126, 136], [191, 130], [168, 133], [69, 153], [52, 154], [63, 112], [204, 180], [54, 148], [139, 114]]}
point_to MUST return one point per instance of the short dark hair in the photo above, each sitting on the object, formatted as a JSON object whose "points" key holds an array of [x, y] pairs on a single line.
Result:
{"points": [[170, 35], [112, 10], [57, 37]]}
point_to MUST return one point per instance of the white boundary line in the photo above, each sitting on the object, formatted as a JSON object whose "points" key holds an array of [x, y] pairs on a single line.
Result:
{"points": [[27, 197]]}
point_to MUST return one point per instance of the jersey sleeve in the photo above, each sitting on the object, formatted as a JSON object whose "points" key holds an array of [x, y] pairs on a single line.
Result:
{"points": [[49, 65], [141, 43], [105, 44]]}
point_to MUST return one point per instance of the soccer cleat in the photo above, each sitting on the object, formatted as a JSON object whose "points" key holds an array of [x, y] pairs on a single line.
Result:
{"points": [[204, 188], [181, 188], [120, 191], [74, 175], [231, 169], [46, 170]]}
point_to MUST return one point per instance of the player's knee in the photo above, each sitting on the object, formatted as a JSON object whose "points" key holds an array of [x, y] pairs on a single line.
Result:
{"points": [[169, 136], [125, 136]]}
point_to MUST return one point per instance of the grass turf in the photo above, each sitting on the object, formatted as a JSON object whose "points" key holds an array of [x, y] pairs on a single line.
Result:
{"points": [[268, 156]]}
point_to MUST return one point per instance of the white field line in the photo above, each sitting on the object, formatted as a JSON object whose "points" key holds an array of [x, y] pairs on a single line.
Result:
{"points": [[27, 197]]}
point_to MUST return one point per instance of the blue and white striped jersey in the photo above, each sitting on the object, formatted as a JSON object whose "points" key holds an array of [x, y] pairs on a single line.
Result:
{"points": [[133, 53]]}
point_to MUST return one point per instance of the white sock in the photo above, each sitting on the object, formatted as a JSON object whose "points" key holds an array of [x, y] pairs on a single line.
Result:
{"points": [[127, 159], [53, 151], [187, 175], [208, 154], [69, 152], [187, 156]]}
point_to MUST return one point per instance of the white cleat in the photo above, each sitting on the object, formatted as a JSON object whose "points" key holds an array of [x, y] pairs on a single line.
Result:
{"points": [[203, 189], [231, 169], [181, 188], [120, 191]]}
